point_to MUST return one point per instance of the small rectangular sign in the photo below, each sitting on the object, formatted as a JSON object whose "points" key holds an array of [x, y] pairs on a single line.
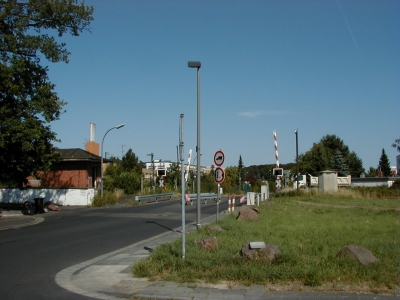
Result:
{"points": [[257, 245]]}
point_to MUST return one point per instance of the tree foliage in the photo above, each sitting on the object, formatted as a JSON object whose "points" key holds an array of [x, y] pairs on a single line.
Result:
{"points": [[124, 174], [338, 164], [319, 157], [131, 163], [396, 144], [384, 164], [28, 102]]}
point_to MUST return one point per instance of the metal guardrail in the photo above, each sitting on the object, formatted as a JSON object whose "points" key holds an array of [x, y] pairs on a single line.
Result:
{"points": [[203, 197], [154, 197]]}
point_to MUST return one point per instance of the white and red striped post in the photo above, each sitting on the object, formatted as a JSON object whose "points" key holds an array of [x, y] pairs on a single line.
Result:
{"points": [[276, 149], [187, 198], [233, 202], [229, 205], [278, 179]]}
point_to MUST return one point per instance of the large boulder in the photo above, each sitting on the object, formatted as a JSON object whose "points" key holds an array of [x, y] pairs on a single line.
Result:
{"points": [[247, 213], [268, 253], [362, 255], [208, 243]]}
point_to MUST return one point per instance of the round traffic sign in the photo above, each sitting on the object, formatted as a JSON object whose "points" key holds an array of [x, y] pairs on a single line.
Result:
{"points": [[219, 158], [219, 175]]}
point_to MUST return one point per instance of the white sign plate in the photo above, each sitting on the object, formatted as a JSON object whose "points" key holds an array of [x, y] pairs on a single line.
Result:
{"points": [[219, 158], [219, 175]]}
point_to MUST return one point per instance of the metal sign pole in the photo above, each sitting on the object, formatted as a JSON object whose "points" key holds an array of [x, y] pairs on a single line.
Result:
{"points": [[181, 143], [218, 203]]}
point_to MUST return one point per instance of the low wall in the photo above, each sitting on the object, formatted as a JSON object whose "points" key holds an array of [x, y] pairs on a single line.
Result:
{"points": [[63, 197]]}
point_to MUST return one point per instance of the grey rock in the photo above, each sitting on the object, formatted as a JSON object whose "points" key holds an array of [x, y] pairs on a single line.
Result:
{"points": [[208, 243], [362, 255], [247, 213], [269, 253]]}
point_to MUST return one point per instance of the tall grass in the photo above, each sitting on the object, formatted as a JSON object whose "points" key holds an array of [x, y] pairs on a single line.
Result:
{"points": [[309, 232], [109, 198]]}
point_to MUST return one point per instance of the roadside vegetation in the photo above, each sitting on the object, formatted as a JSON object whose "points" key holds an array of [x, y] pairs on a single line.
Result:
{"points": [[310, 230], [109, 198]]}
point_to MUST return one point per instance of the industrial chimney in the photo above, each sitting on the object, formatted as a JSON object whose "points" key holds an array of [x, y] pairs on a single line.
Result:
{"points": [[92, 146]]}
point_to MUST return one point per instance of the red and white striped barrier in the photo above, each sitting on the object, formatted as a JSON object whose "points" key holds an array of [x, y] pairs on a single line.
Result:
{"points": [[187, 198]]}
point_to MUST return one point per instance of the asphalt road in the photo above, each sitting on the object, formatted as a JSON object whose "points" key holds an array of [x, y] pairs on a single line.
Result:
{"points": [[30, 257]]}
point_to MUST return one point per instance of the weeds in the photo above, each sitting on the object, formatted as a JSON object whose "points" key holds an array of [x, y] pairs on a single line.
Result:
{"points": [[109, 198]]}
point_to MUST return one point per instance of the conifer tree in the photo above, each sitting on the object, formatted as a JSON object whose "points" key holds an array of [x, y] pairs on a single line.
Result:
{"points": [[240, 167], [338, 164], [384, 164]]}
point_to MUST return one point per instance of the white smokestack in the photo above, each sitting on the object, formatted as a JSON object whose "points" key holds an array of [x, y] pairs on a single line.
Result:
{"points": [[92, 137]]}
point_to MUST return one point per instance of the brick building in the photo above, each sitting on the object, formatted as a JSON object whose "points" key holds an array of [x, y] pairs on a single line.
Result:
{"points": [[76, 168]]}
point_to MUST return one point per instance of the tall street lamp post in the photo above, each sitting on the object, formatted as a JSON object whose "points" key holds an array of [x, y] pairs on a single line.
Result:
{"points": [[197, 65], [101, 166]]}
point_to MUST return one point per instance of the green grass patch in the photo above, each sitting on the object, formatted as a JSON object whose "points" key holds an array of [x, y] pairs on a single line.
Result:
{"points": [[309, 231]]}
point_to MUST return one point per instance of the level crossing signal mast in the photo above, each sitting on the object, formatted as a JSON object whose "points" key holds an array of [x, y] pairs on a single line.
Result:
{"points": [[277, 171]]}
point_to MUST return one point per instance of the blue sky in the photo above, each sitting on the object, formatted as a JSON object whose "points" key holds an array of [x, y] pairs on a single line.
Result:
{"points": [[319, 66]]}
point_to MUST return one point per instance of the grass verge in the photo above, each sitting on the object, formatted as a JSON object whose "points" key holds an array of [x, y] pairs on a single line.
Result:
{"points": [[309, 231]]}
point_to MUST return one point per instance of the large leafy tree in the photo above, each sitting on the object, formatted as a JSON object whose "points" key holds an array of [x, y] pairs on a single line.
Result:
{"points": [[131, 163], [124, 174], [320, 156], [28, 102]]}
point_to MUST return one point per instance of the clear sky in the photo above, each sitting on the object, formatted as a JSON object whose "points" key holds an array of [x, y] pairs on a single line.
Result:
{"points": [[319, 66]]}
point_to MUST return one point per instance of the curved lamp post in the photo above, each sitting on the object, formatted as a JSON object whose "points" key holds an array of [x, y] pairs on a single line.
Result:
{"points": [[197, 65], [101, 166]]}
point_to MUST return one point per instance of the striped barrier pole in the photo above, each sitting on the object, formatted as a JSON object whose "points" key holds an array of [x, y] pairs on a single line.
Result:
{"points": [[187, 198]]}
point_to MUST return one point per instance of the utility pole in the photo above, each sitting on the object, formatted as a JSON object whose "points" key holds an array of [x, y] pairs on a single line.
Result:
{"points": [[152, 162], [122, 151]]}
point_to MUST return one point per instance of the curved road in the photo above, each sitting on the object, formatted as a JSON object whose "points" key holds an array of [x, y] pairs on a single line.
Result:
{"points": [[30, 257]]}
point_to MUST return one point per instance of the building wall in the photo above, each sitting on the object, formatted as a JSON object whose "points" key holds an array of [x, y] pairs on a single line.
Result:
{"points": [[68, 175]]}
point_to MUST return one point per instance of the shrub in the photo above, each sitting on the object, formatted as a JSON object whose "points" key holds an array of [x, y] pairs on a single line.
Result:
{"points": [[109, 198]]}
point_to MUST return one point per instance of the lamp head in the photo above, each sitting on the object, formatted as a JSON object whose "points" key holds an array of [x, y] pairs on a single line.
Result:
{"points": [[119, 126], [194, 64]]}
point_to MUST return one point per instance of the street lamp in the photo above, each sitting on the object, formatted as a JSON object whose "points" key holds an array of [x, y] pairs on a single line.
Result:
{"points": [[101, 167], [197, 65]]}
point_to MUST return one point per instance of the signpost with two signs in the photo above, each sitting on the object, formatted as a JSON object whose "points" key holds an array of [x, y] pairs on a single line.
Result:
{"points": [[219, 173]]}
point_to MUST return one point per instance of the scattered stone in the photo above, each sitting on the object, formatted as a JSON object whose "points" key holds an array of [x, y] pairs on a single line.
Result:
{"points": [[247, 213], [362, 255], [214, 228], [253, 207], [208, 243], [269, 253]]}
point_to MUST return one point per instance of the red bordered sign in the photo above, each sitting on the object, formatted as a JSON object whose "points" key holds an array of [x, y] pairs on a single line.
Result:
{"points": [[219, 175], [219, 158]]}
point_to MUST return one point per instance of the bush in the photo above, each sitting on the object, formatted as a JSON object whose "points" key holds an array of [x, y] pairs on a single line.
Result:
{"points": [[109, 198]]}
